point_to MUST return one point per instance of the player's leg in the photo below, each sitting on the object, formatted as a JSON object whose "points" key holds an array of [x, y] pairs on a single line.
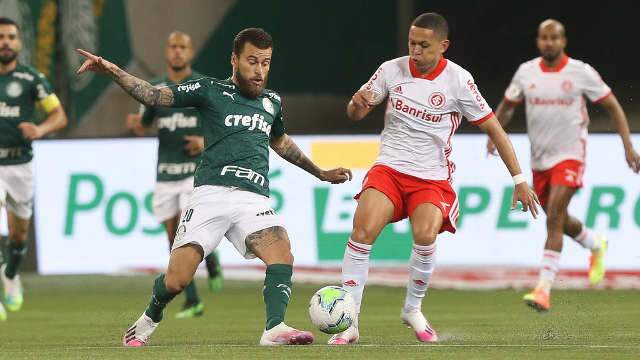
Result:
{"points": [[183, 263], [588, 239], [272, 246], [426, 224], [192, 306], [214, 269], [16, 250], [556, 209]]}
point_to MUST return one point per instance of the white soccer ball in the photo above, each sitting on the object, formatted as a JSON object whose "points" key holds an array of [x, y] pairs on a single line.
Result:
{"points": [[332, 309]]}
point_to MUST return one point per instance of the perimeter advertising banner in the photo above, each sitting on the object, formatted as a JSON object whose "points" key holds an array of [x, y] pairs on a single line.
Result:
{"points": [[93, 207]]}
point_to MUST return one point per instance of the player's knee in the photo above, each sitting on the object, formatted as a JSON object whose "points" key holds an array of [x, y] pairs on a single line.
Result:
{"points": [[362, 235], [555, 219], [426, 236], [19, 235], [175, 284]]}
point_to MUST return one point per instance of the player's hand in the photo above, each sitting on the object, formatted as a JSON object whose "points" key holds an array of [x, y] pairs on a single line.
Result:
{"points": [[336, 176], [633, 159], [30, 131], [195, 144], [134, 123], [364, 99], [95, 63], [527, 197], [491, 148]]}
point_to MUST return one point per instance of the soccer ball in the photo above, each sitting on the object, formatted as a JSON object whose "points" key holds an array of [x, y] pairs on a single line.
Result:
{"points": [[332, 309]]}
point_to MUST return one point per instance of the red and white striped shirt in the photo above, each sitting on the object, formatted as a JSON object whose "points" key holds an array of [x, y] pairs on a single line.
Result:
{"points": [[423, 112]]}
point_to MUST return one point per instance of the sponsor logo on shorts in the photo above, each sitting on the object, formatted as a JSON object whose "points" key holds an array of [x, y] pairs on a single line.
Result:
{"points": [[177, 168], [182, 229], [189, 87], [243, 173], [6, 153], [9, 111], [251, 122]]}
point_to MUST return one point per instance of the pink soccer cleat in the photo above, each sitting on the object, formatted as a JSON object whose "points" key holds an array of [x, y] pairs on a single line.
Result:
{"points": [[138, 334], [415, 320], [283, 334], [349, 336]]}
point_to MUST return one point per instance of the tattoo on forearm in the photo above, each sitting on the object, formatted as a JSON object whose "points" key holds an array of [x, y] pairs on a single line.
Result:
{"points": [[292, 153], [142, 90], [262, 239]]}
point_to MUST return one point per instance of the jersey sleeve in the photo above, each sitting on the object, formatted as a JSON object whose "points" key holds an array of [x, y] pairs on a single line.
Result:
{"points": [[515, 90], [43, 93], [194, 93], [278, 129], [594, 87], [147, 113], [472, 105], [378, 85]]}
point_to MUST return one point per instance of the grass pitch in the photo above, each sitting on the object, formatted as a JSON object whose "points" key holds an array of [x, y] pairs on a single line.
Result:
{"points": [[80, 317]]}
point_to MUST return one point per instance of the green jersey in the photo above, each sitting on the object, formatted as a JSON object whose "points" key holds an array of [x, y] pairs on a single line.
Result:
{"points": [[236, 132], [174, 162], [20, 91]]}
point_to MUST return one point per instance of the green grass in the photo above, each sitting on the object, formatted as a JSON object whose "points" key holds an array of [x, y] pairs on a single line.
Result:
{"points": [[85, 317]]}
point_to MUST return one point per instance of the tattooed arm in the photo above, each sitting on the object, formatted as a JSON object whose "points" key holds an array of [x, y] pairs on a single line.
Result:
{"points": [[137, 88], [288, 150]]}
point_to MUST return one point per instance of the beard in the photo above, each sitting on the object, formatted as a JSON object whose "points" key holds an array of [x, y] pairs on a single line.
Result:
{"points": [[551, 56], [178, 67], [8, 58], [248, 88]]}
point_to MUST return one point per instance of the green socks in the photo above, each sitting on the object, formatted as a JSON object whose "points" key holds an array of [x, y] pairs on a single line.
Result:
{"points": [[191, 293], [276, 293], [15, 253], [213, 264], [159, 300]]}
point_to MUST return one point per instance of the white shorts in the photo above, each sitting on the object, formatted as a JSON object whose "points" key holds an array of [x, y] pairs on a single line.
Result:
{"points": [[170, 197], [217, 211], [16, 189]]}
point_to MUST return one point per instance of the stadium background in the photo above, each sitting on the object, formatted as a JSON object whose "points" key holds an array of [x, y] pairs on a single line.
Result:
{"points": [[323, 52]]}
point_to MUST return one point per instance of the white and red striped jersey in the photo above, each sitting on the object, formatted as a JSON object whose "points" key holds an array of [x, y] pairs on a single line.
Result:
{"points": [[423, 112], [556, 111]]}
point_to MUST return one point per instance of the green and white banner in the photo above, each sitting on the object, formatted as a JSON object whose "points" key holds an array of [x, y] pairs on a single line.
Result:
{"points": [[93, 207]]}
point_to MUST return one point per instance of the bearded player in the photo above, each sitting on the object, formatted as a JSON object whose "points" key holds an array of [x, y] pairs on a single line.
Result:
{"points": [[241, 120], [553, 87]]}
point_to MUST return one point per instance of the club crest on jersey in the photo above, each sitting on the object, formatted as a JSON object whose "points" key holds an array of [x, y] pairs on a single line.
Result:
{"points": [[437, 100], [567, 86], [268, 106], [14, 89]]}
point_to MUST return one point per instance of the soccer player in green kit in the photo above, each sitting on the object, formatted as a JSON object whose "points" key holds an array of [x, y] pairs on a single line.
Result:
{"points": [[21, 89], [241, 120], [180, 144]]}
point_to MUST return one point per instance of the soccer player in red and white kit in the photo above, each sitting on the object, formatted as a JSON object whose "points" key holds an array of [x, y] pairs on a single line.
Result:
{"points": [[427, 97], [553, 87]]}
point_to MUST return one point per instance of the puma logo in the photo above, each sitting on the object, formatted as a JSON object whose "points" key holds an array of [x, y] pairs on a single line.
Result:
{"points": [[229, 95]]}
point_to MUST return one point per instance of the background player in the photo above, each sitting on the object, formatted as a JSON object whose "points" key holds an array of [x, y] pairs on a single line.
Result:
{"points": [[553, 87], [241, 121], [179, 147], [21, 89], [428, 96]]}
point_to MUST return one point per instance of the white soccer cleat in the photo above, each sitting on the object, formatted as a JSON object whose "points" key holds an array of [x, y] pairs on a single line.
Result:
{"points": [[349, 336], [282, 334], [138, 334], [13, 298], [415, 320]]}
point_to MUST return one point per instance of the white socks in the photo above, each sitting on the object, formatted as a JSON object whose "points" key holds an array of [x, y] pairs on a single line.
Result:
{"points": [[550, 266], [355, 269], [420, 270], [587, 239]]}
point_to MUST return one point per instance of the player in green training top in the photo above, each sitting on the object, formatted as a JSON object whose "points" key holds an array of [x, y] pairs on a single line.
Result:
{"points": [[241, 120], [21, 89], [180, 144]]}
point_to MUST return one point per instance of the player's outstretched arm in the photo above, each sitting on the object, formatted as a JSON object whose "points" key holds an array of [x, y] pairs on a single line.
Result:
{"points": [[622, 125], [504, 113], [522, 192], [137, 88], [288, 150]]}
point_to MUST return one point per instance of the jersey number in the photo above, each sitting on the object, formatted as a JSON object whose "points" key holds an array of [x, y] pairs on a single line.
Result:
{"points": [[187, 215]]}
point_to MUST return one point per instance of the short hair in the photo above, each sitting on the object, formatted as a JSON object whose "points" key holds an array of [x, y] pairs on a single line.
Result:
{"points": [[433, 21], [255, 36], [7, 21]]}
